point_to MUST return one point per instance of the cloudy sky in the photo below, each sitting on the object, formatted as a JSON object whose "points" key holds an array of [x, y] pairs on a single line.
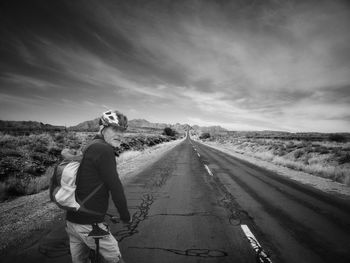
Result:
{"points": [[244, 64]]}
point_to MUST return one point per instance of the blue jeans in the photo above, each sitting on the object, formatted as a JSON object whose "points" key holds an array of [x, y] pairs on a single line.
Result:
{"points": [[80, 244]]}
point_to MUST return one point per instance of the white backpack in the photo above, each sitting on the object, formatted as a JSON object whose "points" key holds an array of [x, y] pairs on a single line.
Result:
{"points": [[63, 184]]}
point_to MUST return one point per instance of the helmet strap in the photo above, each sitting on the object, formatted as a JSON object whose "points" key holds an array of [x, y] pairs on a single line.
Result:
{"points": [[102, 127]]}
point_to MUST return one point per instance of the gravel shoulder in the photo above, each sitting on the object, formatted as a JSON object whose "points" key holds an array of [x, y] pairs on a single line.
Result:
{"points": [[326, 185], [24, 220]]}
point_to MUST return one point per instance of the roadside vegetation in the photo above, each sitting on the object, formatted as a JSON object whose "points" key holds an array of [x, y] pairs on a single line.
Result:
{"points": [[204, 135], [27, 160], [328, 158], [169, 132]]}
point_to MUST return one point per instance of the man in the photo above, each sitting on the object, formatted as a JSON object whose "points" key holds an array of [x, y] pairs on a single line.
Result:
{"points": [[99, 167]]}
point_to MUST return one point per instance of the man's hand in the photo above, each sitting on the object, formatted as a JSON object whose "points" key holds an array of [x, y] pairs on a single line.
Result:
{"points": [[115, 219], [126, 223]]}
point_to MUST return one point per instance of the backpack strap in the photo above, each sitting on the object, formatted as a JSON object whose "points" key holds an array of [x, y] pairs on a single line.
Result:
{"points": [[83, 208], [53, 183]]}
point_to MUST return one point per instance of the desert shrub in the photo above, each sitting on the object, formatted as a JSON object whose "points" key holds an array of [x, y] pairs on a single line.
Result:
{"points": [[55, 151], [8, 166], [344, 159], [300, 145], [10, 152], [38, 157], [279, 150], [40, 148], [36, 184], [125, 146], [287, 163], [15, 186], [321, 149], [324, 150], [337, 151], [337, 137], [306, 159], [74, 145], [8, 141], [290, 145], [282, 152], [168, 131], [308, 149], [204, 135], [72, 136], [59, 138], [23, 140], [151, 143], [34, 169], [266, 156], [24, 184], [298, 154], [43, 138]]}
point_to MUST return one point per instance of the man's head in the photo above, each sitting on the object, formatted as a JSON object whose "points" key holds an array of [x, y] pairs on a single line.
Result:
{"points": [[112, 127]]}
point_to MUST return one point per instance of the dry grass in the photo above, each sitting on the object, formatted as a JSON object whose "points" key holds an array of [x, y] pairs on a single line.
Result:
{"points": [[25, 158], [321, 158], [127, 156], [25, 161]]}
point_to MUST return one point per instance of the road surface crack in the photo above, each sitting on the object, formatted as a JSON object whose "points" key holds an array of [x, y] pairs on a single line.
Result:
{"points": [[185, 214], [137, 217], [193, 252]]}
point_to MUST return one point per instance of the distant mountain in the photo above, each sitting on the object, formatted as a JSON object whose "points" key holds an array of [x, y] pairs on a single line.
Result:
{"points": [[86, 126], [93, 126], [141, 123], [138, 123], [210, 129], [27, 126]]}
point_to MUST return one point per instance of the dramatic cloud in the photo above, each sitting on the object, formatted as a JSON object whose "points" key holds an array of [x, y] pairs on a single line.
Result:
{"points": [[245, 65]]}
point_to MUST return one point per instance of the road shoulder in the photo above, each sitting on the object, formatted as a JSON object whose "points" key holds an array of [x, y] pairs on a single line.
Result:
{"points": [[325, 185]]}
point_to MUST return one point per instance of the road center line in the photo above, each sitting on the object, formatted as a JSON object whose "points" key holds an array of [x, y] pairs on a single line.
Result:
{"points": [[206, 167], [263, 257], [198, 155]]}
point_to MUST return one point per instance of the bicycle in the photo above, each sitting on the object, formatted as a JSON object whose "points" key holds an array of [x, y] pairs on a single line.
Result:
{"points": [[98, 233]]}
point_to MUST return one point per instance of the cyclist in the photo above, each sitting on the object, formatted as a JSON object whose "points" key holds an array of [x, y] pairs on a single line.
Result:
{"points": [[99, 167]]}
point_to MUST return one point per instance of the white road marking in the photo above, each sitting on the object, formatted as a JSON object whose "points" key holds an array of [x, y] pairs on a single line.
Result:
{"points": [[255, 243], [198, 155], [206, 167]]}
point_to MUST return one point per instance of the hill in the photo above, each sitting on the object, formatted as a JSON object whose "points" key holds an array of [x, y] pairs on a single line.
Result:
{"points": [[91, 125], [133, 124], [210, 129], [22, 127]]}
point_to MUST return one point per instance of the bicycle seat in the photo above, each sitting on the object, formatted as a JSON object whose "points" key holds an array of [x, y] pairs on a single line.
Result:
{"points": [[97, 232]]}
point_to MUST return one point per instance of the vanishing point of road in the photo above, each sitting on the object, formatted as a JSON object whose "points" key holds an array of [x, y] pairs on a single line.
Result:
{"points": [[197, 204]]}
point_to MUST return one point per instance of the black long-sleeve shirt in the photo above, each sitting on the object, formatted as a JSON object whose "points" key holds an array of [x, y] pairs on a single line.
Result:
{"points": [[99, 166]]}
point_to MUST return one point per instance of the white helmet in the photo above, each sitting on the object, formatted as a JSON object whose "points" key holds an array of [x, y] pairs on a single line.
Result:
{"points": [[114, 118]]}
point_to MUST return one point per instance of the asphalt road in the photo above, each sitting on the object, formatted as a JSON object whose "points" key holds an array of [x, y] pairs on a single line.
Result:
{"points": [[197, 204]]}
